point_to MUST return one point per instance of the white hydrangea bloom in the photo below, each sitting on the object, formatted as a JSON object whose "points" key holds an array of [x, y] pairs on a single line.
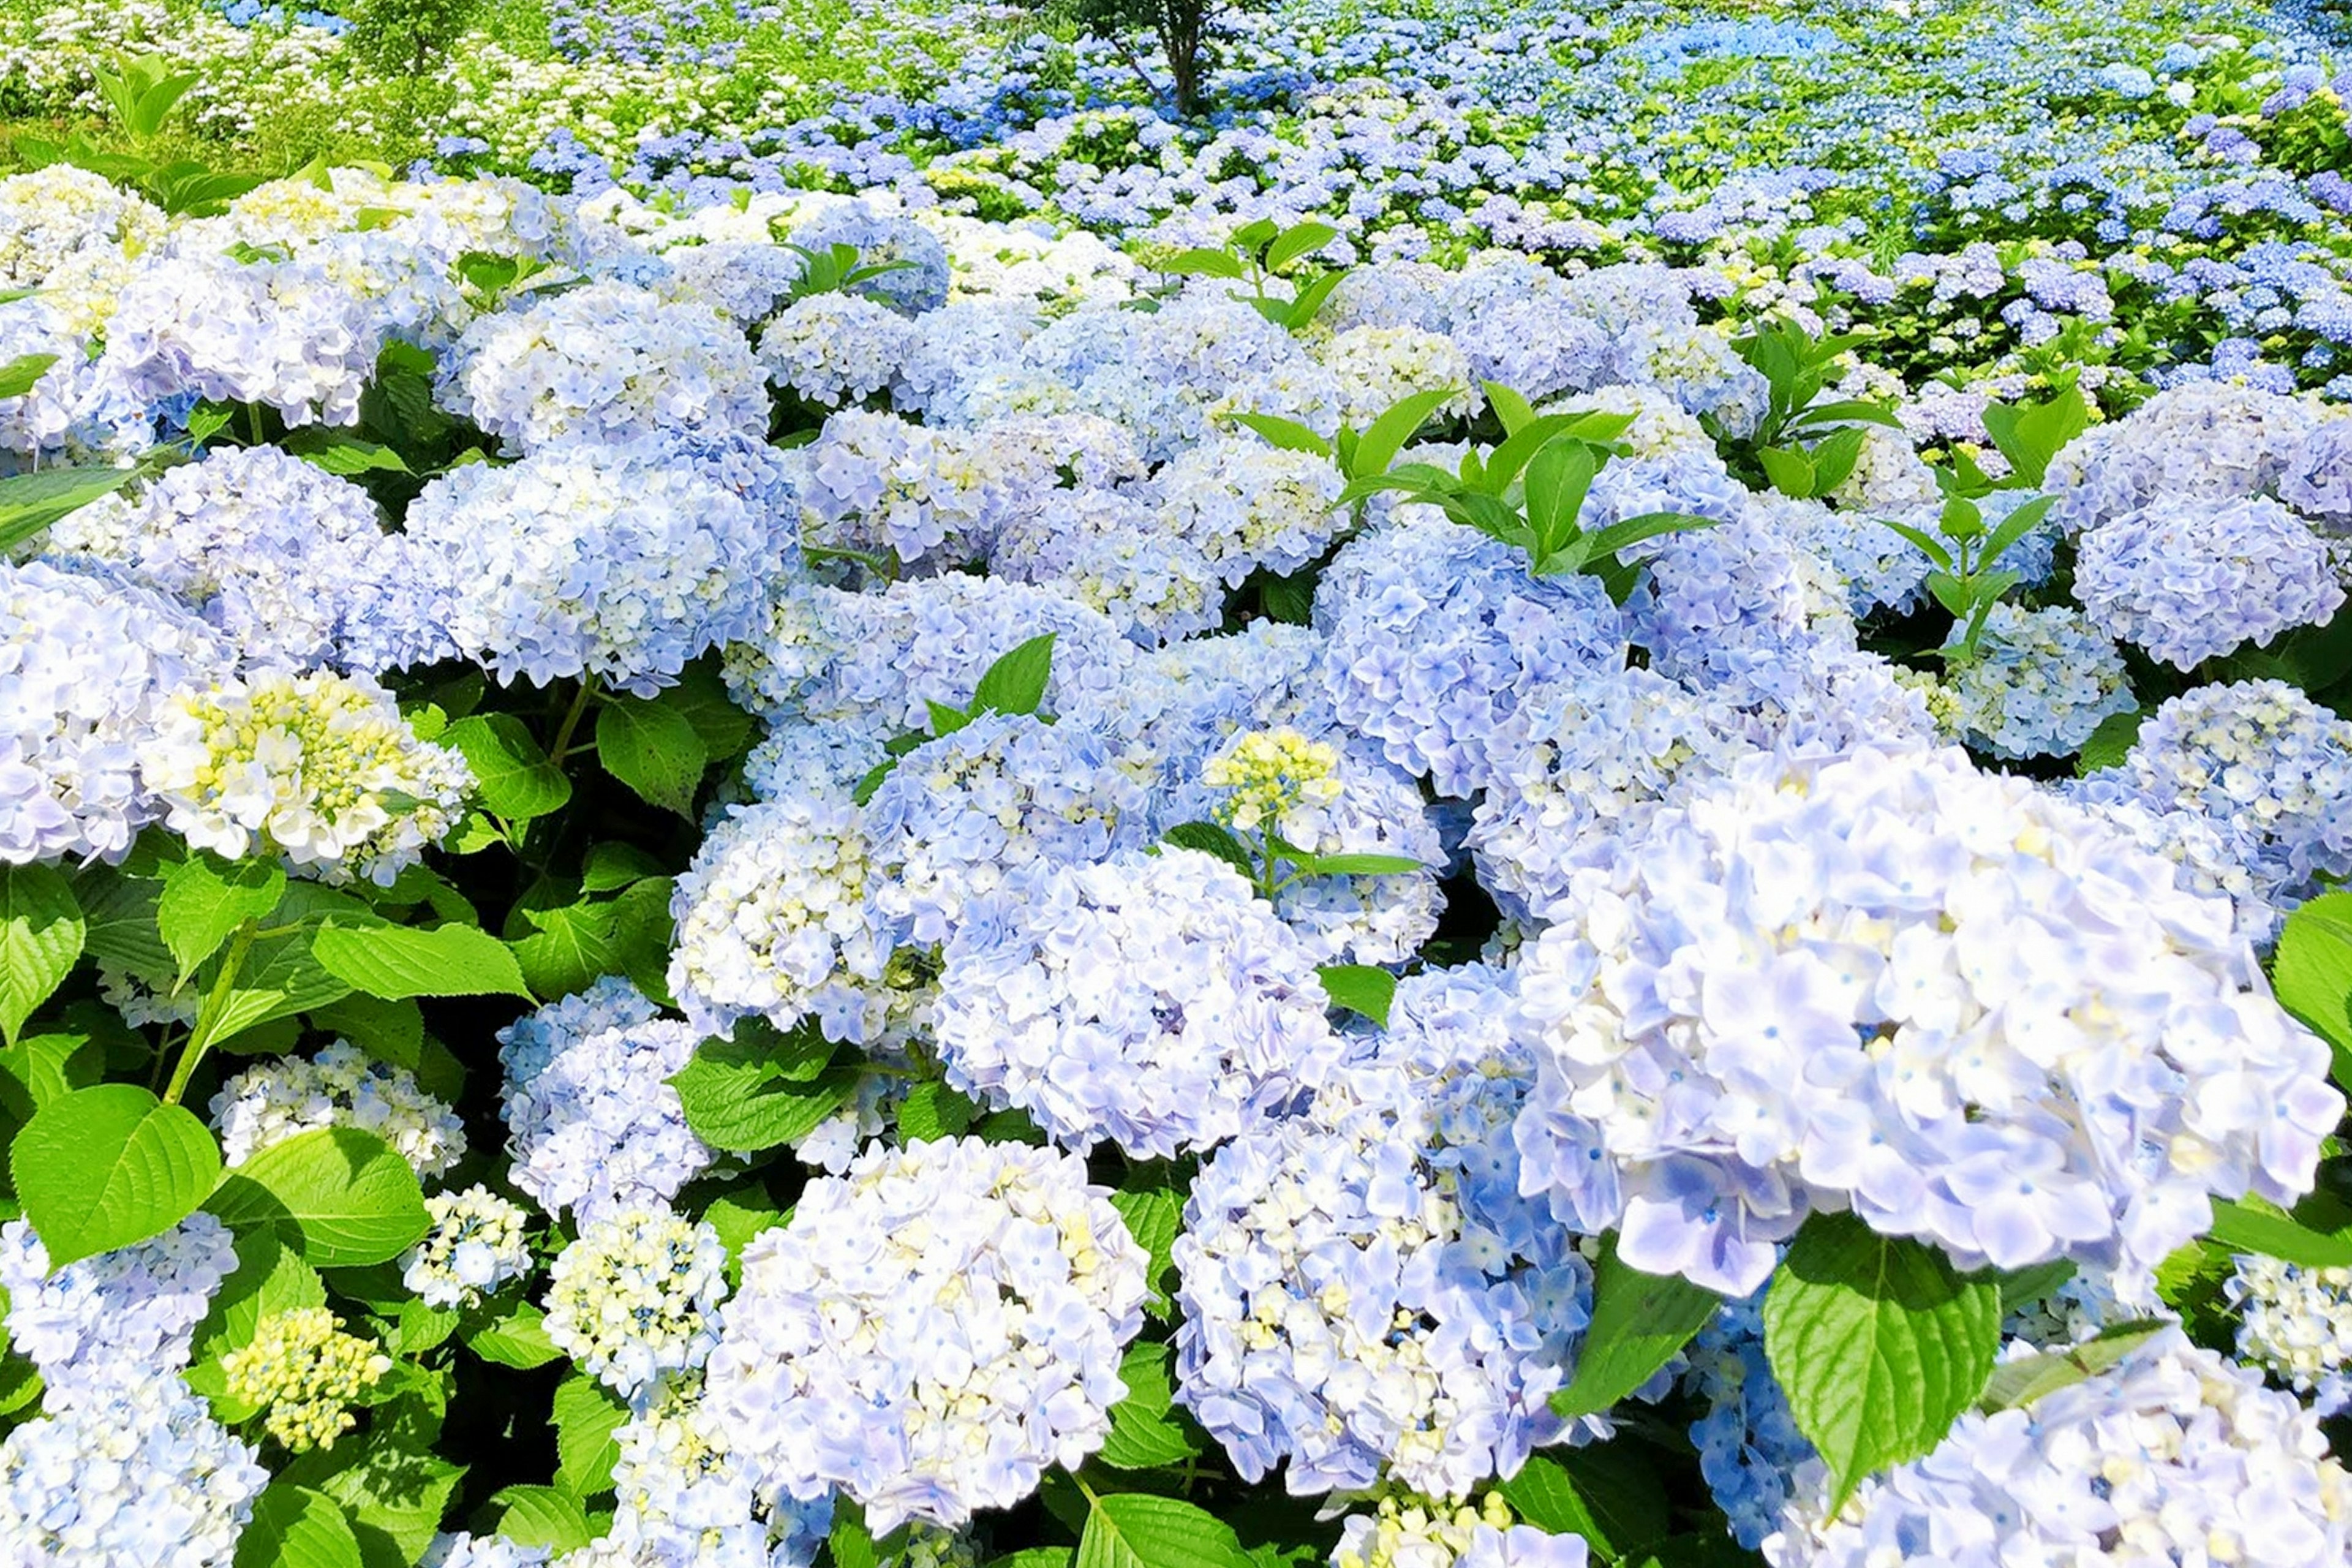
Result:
{"points": [[342, 1086]]}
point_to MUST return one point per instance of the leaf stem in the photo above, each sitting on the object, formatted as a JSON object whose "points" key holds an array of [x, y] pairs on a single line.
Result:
{"points": [[208, 1015], [571, 718]]}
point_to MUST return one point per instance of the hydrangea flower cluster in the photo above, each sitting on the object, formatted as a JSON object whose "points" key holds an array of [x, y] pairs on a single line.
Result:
{"points": [[2041, 682], [591, 561], [128, 1314], [635, 1296], [1153, 1001], [2260, 768], [477, 1246], [139, 1474], [680, 1495], [1414, 1535], [290, 560], [1750, 1449], [776, 917], [1434, 629], [929, 1332], [2297, 1322], [604, 365], [342, 1086], [1379, 367], [2206, 442], [2174, 1456], [876, 483], [2189, 579], [964, 814], [834, 349], [320, 770], [1105, 549], [1245, 505], [1365, 1295], [1968, 1013], [593, 1123], [882, 238], [302, 1372], [87, 667]]}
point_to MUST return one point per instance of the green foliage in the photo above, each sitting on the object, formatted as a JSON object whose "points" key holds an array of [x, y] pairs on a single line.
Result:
{"points": [[336, 1196], [1879, 1344], [1261, 253], [1180, 28], [1804, 446], [110, 1165], [409, 38], [1640, 1323]]}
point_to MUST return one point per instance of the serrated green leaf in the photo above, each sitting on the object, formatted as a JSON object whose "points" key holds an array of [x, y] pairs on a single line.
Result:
{"points": [[1210, 838], [205, 898], [1360, 988], [515, 1336], [586, 1416], [1879, 1344], [1138, 1529], [1154, 1216], [396, 962], [2111, 742], [392, 1493], [297, 1527], [653, 748], [340, 1197], [1144, 1434], [1639, 1322], [1016, 683], [41, 936], [1606, 1493], [2243, 1228], [110, 1165], [512, 776], [932, 1111], [542, 1516], [739, 1098], [2312, 973], [269, 1277], [2017, 1384]]}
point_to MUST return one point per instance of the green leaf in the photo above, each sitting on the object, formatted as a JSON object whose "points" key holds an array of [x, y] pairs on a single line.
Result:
{"points": [[2111, 742], [654, 750], [395, 962], [1144, 1433], [933, 1110], [280, 978], [740, 1098], [2312, 973], [341, 453], [24, 372], [1016, 683], [1789, 469], [268, 1279], [1202, 262], [1288, 435], [1154, 1216], [1387, 436], [1360, 988], [512, 776], [393, 1492], [110, 1165], [41, 935], [120, 932], [701, 695], [1300, 239], [1879, 1344], [1514, 411], [340, 1197], [1349, 864], [516, 1337], [1605, 1493], [390, 1031], [586, 1416], [1929, 546], [542, 1516], [297, 1527], [1639, 1322], [30, 502], [2016, 1384], [2242, 1227], [1210, 838], [205, 898], [1136, 1529], [609, 868]]}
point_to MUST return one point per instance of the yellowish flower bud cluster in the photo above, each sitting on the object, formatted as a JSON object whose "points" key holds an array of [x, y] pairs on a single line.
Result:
{"points": [[302, 1370], [1269, 773]]}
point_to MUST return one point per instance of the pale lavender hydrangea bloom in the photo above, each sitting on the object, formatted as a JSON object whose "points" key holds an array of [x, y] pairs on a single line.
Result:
{"points": [[2186, 579]]}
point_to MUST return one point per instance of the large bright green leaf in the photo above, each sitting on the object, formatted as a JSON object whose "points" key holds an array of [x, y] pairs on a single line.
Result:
{"points": [[1136, 1529], [110, 1165], [395, 962], [653, 749], [744, 1097], [340, 1197], [1879, 1344], [1639, 1322], [297, 1527], [41, 935], [205, 898]]}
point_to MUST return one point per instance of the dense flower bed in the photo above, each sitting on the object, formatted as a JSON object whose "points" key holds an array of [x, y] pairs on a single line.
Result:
{"points": [[702, 873]]}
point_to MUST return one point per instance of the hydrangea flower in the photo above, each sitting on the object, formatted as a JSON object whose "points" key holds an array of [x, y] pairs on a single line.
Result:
{"points": [[882, 240], [87, 667], [131, 1313], [2257, 764], [604, 364], [2189, 449], [2041, 682], [1743, 606], [141, 1476], [2188, 579], [289, 561], [2173, 1456], [281, 332], [1967, 1012], [1247, 505], [1435, 631], [834, 349], [2297, 1322], [964, 814], [476, 1246], [1413, 1535], [2316, 479], [593, 1123], [1698, 368], [929, 1332], [635, 1296], [466, 1549], [746, 280], [1379, 367], [342, 1086], [302, 1372], [74, 412], [681, 1496], [1750, 1449], [876, 483], [592, 560], [1105, 549], [1365, 1295], [320, 770], [776, 917], [1153, 1001]]}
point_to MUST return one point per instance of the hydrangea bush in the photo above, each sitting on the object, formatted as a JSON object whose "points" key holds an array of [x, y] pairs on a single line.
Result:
{"points": [[1412, 841]]}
